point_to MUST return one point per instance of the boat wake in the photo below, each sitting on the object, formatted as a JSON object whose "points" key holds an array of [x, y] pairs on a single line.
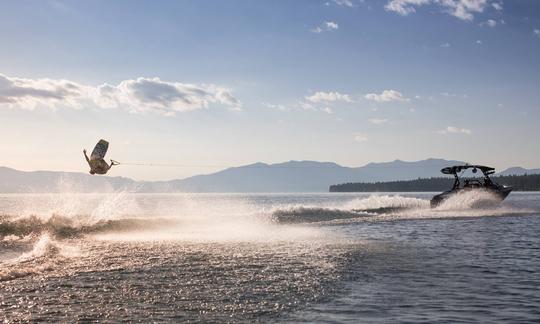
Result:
{"points": [[71, 227], [32, 242], [359, 208], [240, 219], [394, 208]]}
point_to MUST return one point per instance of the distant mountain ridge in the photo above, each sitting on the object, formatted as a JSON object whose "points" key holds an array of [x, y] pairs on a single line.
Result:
{"points": [[529, 182], [291, 176], [15, 181], [518, 171], [301, 176]]}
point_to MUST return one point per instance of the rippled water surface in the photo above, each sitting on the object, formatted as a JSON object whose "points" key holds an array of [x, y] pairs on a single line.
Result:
{"points": [[269, 258]]}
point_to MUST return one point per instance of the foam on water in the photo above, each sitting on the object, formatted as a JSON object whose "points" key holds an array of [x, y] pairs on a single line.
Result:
{"points": [[374, 202], [44, 255], [232, 220], [192, 218], [126, 217], [394, 207]]}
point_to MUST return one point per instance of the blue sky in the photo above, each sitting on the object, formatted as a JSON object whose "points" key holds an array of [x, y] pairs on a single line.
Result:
{"points": [[210, 84]]}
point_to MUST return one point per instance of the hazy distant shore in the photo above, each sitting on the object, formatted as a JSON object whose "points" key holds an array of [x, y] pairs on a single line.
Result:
{"points": [[530, 182]]}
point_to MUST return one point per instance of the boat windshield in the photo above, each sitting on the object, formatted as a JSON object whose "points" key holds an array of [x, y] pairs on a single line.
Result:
{"points": [[468, 179]]}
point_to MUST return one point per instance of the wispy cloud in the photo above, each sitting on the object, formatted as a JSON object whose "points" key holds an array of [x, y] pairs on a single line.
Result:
{"points": [[404, 7], [327, 110], [344, 3], [306, 106], [359, 137], [490, 23], [135, 95], [378, 121], [462, 9], [536, 32], [275, 106], [325, 26], [332, 96], [29, 93], [454, 95], [455, 130], [445, 45], [386, 96]]}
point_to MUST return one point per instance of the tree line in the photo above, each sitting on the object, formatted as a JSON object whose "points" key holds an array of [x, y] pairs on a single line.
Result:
{"points": [[527, 182]]}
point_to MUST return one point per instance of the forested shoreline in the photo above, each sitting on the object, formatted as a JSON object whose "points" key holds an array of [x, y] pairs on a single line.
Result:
{"points": [[527, 182]]}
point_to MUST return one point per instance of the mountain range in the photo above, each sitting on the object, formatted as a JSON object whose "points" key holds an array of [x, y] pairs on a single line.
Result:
{"points": [[518, 171], [292, 176]]}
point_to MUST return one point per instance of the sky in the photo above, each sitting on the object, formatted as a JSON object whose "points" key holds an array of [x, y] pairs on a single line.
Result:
{"points": [[198, 86]]}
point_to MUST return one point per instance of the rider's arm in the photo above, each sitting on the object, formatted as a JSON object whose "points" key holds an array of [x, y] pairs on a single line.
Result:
{"points": [[86, 157]]}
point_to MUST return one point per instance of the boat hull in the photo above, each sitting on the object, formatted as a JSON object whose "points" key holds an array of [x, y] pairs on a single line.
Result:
{"points": [[499, 193]]}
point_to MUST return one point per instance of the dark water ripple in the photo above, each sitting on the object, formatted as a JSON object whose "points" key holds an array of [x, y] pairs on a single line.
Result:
{"points": [[482, 270], [167, 281]]}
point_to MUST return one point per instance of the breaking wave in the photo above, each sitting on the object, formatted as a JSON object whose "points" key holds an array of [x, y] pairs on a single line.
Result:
{"points": [[69, 227], [354, 209], [298, 215], [239, 217], [472, 200], [394, 207]]}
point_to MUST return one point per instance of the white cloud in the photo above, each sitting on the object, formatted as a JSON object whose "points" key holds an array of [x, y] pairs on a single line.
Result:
{"points": [[454, 95], [29, 93], [462, 9], [332, 96], [497, 6], [306, 106], [313, 107], [378, 121], [331, 25], [359, 137], [386, 96], [479, 42], [135, 95], [404, 7], [144, 94], [327, 110], [274, 106], [455, 130], [325, 26], [490, 23], [344, 3], [445, 45], [536, 32]]}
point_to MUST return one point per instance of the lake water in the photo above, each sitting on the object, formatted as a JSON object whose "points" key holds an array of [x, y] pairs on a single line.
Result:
{"points": [[269, 257]]}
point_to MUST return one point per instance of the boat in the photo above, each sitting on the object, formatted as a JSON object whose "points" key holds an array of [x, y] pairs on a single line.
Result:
{"points": [[499, 192]]}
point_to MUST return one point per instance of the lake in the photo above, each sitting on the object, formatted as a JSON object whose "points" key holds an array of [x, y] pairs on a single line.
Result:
{"points": [[269, 257]]}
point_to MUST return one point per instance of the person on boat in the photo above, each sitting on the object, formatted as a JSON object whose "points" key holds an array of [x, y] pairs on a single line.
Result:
{"points": [[98, 166]]}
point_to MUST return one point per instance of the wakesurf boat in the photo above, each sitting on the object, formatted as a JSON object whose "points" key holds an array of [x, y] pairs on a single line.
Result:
{"points": [[498, 191]]}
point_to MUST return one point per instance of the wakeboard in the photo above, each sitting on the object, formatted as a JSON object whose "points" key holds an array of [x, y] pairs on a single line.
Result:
{"points": [[100, 150]]}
